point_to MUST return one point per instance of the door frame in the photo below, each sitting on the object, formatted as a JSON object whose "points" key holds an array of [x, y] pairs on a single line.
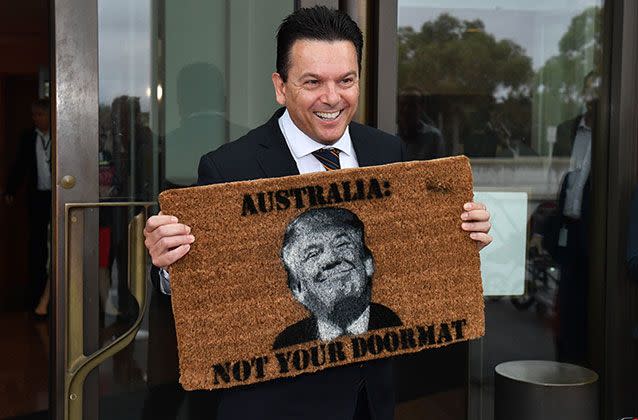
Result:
{"points": [[74, 93], [616, 353]]}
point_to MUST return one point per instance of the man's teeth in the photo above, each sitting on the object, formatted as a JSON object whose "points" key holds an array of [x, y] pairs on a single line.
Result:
{"points": [[328, 115]]}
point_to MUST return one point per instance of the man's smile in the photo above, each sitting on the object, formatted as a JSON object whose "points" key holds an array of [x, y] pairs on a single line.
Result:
{"points": [[338, 272], [328, 116]]}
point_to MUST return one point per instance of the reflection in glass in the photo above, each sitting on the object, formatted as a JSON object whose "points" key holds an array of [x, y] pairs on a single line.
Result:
{"points": [[177, 79], [200, 101], [514, 86]]}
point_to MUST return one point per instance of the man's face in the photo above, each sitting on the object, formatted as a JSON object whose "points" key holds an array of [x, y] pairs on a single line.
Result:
{"points": [[330, 269], [40, 118], [322, 90]]}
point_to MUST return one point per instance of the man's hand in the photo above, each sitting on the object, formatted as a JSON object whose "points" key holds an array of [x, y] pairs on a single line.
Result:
{"points": [[167, 240], [8, 198], [476, 220]]}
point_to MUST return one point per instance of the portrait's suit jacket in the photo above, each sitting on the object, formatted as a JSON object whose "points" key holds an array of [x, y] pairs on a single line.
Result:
{"points": [[25, 165], [307, 330], [332, 393]]}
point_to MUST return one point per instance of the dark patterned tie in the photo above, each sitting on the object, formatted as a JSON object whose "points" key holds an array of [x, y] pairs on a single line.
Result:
{"points": [[328, 157]]}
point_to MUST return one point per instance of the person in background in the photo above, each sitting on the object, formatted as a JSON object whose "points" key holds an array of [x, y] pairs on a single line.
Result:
{"points": [[572, 237], [33, 166], [568, 131]]}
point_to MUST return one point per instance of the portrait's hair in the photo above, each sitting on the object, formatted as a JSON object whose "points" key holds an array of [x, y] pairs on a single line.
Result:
{"points": [[324, 216], [318, 24], [41, 104]]}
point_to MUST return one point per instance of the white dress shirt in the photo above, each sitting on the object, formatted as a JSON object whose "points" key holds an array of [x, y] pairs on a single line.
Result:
{"points": [[579, 167], [329, 331], [301, 147], [43, 160]]}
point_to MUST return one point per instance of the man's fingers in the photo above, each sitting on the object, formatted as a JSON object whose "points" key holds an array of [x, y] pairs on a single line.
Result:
{"points": [[166, 240], [154, 222], [482, 239], [165, 231], [167, 243], [474, 206], [476, 226], [476, 216], [171, 256], [173, 229], [476, 220]]}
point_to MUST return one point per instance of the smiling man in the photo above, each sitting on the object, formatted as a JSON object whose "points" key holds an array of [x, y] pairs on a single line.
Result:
{"points": [[330, 271], [317, 83]]}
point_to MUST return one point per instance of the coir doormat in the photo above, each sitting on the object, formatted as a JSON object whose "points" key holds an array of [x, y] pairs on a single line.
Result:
{"points": [[292, 275]]}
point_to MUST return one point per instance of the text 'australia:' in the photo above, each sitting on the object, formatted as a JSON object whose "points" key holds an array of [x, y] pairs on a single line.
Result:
{"points": [[314, 195], [349, 349]]}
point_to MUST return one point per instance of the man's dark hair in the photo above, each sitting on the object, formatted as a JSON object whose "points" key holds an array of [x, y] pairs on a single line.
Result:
{"points": [[323, 216], [318, 24], [41, 104]]}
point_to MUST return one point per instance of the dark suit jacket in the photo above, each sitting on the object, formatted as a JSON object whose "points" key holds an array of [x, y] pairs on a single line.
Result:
{"points": [[578, 236], [332, 393], [25, 165], [565, 136], [307, 330]]}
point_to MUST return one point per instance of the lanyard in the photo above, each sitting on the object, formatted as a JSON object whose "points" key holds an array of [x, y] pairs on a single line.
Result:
{"points": [[46, 147]]}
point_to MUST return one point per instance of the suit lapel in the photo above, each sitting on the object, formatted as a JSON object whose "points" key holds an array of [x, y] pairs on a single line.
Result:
{"points": [[275, 158], [366, 154]]}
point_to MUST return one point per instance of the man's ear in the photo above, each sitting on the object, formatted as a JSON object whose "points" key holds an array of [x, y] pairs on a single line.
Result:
{"points": [[369, 265], [280, 88]]}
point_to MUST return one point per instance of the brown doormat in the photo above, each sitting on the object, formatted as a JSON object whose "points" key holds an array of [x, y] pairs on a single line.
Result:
{"points": [[297, 274]]}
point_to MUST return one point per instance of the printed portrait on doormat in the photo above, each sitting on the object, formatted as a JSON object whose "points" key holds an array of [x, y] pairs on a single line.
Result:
{"points": [[330, 272]]}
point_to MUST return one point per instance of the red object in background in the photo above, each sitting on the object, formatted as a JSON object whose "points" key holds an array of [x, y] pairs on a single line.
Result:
{"points": [[104, 242]]}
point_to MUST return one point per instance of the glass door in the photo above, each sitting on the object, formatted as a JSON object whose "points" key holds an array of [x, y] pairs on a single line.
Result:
{"points": [[519, 88], [142, 89]]}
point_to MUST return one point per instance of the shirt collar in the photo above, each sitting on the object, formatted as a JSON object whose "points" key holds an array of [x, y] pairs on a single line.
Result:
{"points": [[42, 134], [328, 331], [582, 124], [301, 145]]}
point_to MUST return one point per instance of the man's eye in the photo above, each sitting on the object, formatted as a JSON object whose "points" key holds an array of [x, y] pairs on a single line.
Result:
{"points": [[311, 254], [347, 81], [343, 245], [312, 82]]}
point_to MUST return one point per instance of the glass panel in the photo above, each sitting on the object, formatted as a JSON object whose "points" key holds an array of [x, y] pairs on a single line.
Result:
{"points": [[176, 80], [514, 86]]}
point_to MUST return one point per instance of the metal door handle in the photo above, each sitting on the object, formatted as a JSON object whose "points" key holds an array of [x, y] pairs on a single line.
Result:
{"points": [[79, 365]]}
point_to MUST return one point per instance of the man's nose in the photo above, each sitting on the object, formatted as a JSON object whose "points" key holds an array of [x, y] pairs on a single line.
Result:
{"points": [[331, 94], [330, 259]]}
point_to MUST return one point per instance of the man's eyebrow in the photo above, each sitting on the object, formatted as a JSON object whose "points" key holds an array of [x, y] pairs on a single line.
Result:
{"points": [[316, 76], [350, 73], [313, 75], [342, 235], [310, 247]]}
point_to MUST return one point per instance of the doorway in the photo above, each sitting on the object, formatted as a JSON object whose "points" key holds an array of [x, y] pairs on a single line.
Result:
{"points": [[24, 343]]}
